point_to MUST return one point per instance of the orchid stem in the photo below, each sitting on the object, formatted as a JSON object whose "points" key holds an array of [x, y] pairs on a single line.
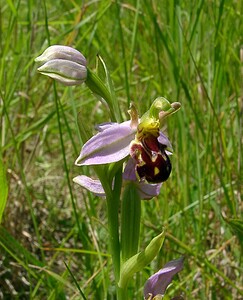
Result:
{"points": [[96, 85], [112, 209], [130, 221], [113, 204]]}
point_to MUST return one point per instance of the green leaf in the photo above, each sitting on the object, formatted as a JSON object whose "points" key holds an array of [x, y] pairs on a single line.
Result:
{"points": [[111, 89], [130, 221], [4, 189], [12, 7], [236, 226], [96, 85], [22, 255], [30, 263]]}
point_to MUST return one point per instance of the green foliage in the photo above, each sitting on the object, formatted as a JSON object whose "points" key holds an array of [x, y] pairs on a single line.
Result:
{"points": [[140, 260], [236, 225], [4, 189], [187, 51], [130, 221]]}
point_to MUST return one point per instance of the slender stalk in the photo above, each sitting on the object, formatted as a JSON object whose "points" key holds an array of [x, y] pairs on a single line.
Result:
{"points": [[112, 211], [95, 84], [113, 204], [130, 222], [23, 179], [123, 52], [65, 161]]}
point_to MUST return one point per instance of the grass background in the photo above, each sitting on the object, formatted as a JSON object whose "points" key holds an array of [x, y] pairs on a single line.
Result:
{"points": [[52, 230]]}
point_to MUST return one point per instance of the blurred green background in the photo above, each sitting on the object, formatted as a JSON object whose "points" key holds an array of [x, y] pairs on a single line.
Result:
{"points": [[187, 51]]}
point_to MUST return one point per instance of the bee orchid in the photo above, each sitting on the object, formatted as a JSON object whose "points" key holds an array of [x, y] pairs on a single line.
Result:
{"points": [[140, 140]]}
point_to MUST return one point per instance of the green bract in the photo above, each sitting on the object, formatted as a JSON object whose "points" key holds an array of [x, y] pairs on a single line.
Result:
{"points": [[137, 262]]}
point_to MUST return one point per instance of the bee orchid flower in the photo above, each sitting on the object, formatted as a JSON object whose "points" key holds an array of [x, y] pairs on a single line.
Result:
{"points": [[141, 140]]}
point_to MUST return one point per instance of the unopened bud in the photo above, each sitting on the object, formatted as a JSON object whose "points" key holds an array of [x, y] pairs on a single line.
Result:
{"points": [[64, 64], [61, 52]]}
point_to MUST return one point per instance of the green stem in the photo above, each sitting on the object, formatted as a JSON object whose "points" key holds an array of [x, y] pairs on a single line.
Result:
{"points": [[57, 103], [130, 226], [130, 221], [96, 85], [113, 204], [121, 293], [118, 16], [112, 211]]}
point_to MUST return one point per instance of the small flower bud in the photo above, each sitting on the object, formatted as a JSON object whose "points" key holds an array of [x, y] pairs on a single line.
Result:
{"points": [[61, 52], [64, 64]]}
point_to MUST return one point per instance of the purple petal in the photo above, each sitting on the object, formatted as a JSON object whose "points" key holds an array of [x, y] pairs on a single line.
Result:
{"points": [[147, 190], [157, 283], [61, 52], [129, 171], [107, 146], [162, 139], [104, 126], [67, 72], [92, 185]]}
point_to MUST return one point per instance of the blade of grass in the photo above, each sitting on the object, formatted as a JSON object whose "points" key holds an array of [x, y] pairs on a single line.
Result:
{"points": [[4, 188], [123, 52], [75, 281]]}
